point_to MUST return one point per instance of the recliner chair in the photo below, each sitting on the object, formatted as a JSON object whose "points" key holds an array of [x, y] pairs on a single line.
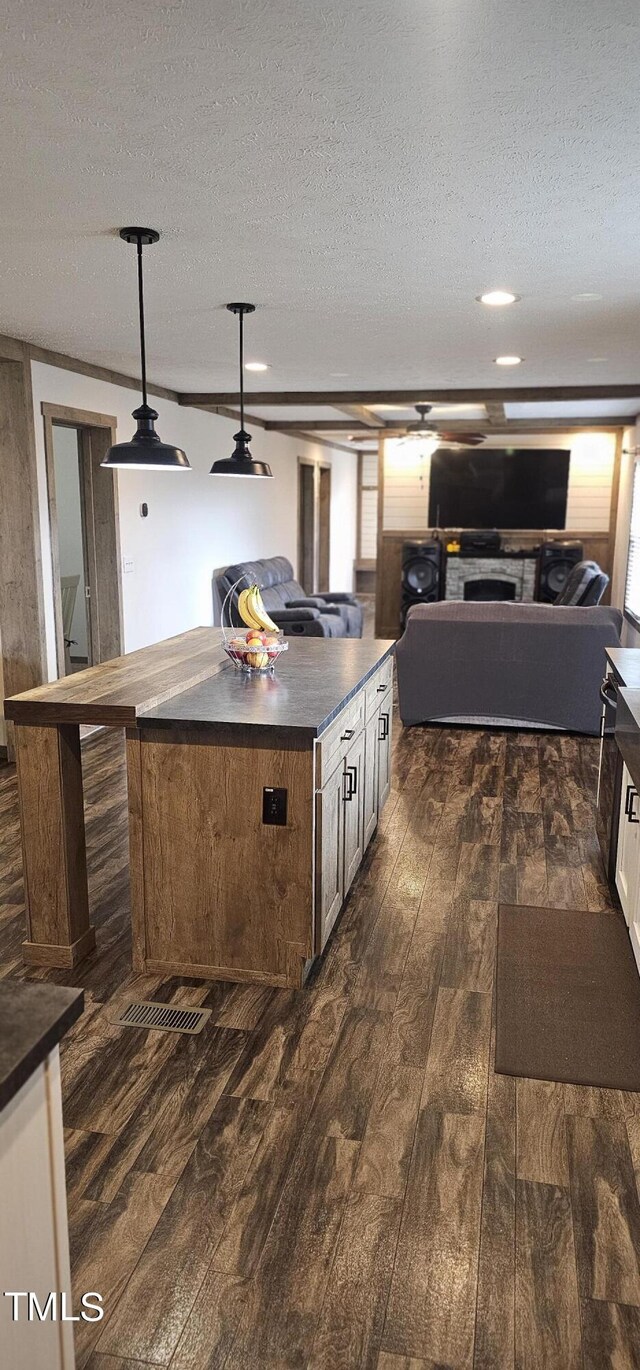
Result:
{"points": [[334, 614], [585, 584]]}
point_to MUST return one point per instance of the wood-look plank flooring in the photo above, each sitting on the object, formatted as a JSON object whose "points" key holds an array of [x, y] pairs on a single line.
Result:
{"points": [[336, 1178]]}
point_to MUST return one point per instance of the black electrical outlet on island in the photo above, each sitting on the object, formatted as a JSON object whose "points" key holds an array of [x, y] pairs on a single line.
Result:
{"points": [[274, 806]]}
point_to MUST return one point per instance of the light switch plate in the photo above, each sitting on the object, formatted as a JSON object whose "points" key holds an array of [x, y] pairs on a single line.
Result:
{"points": [[128, 565]]}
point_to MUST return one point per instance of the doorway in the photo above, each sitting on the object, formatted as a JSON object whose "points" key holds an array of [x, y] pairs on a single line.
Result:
{"points": [[85, 552], [314, 525]]}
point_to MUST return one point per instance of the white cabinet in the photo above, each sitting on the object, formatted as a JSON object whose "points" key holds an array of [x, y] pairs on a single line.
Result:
{"points": [[384, 756], [628, 860], [370, 792], [353, 810], [330, 853]]}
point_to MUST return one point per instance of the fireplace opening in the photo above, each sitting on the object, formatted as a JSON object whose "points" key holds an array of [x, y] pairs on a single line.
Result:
{"points": [[489, 588]]}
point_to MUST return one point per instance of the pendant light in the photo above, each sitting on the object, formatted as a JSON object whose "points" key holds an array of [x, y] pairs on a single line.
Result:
{"points": [[241, 462], [145, 451]]}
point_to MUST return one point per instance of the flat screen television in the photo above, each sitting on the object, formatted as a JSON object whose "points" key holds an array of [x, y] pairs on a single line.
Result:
{"points": [[512, 487]]}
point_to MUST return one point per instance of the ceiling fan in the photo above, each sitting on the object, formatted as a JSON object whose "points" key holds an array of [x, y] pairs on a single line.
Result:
{"points": [[419, 428]]}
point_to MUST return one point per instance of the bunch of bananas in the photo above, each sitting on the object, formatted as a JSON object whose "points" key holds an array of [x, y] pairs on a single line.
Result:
{"points": [[252, 610]]}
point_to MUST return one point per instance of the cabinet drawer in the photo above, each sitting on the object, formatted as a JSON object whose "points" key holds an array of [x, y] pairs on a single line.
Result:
{"points": [[378, 688], [334, 744]]}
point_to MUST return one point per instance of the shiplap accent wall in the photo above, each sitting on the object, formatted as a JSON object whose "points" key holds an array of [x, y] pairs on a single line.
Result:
{"points": [[369, 506], [406, 480]]}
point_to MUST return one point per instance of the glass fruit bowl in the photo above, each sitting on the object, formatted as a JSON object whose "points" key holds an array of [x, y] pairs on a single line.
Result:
{"points": [[255, 653]]}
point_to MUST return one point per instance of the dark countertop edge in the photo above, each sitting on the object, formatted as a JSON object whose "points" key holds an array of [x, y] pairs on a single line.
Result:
{"points": [[55, 1023], [147, 720], [618, 666]]}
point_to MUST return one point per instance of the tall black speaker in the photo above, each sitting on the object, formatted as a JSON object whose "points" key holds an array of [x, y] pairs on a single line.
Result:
{"points": [[421, 574], [557, 559]]}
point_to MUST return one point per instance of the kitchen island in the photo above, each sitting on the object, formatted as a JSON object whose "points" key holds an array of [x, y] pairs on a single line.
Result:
{"points": [[251, 801]]}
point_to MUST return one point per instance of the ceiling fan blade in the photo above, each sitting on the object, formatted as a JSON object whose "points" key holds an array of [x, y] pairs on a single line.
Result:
{"points": [[463, 439]]}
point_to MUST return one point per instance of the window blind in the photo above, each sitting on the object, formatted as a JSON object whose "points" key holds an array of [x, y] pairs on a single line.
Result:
{"points": [[632, 585]]}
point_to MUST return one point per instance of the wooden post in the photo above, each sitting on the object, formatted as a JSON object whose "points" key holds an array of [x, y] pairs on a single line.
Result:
{"points": [[53, 844]]}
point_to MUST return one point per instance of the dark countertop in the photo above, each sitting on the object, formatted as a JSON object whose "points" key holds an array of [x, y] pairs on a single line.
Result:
{"points": [[33, 1018], [312, 682], [626, 665]]}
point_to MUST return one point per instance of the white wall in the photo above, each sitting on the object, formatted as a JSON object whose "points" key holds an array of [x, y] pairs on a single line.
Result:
{"points": [[196, 522], [406, 479]]}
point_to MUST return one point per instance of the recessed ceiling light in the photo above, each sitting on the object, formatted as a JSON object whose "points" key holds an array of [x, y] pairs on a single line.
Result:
{"points": [[507, 361], [587, 295], [256, 366], [498, 297]]}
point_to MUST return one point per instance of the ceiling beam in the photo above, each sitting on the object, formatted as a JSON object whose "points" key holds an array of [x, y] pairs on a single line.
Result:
{"points": [[523, 394], [362, 415], [495, 412], [325, 426]]}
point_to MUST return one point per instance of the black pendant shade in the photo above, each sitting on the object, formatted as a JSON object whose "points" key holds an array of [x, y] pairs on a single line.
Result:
{"points": [[241, 462], [145, 451]]}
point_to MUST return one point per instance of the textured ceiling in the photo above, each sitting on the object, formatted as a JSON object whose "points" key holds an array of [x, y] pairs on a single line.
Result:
{"points": [[361, 169]]}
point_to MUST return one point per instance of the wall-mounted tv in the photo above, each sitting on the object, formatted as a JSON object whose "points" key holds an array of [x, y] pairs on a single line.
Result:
{"points": [[513, 487]]}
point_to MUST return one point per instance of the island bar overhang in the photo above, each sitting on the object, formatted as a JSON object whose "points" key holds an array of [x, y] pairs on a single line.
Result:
{"points": [[215, 891]]}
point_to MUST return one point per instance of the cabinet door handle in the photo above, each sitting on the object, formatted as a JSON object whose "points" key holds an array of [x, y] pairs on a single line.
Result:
{"points": [[347, 735], [384, 719], [631, 790], [354, 787], [347, 794], [633, 818]]}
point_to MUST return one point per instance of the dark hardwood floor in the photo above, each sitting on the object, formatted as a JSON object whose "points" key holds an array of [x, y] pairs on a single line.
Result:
{"points": [[336, 1177]]}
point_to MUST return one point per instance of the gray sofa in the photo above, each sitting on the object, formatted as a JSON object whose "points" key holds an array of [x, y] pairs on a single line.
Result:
{"points": [[532, 665], [329, 615]]}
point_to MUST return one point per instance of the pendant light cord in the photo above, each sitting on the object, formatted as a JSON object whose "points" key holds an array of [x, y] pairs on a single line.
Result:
{"points": [[143, 354], [241, 316]]}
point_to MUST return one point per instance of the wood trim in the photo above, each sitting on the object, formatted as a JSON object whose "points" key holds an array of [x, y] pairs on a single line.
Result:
{"points": [[380, 533], [22, 619], [613, 510], [359, 510], [77, 418], [96, 433], [419, 395], [82, 368], [54, 541]]}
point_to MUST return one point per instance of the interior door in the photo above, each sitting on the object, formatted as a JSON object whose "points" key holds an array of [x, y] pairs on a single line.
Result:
{"points": [[72, 568], [353, 810], [370, 783], [384, 757], [329, 854], [307, 526], [628, 859]]}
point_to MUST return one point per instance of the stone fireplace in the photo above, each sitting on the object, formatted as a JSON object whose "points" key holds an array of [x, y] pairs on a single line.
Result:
{"points": [[491, 578]]}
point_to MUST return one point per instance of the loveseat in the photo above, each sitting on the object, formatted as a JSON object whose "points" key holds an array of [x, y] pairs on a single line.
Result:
{"points": [[531, 665], [334, 614]]}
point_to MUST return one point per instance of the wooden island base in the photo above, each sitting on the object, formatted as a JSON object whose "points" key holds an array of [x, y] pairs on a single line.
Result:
{"points": [[217, 890], [221, 894]]}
